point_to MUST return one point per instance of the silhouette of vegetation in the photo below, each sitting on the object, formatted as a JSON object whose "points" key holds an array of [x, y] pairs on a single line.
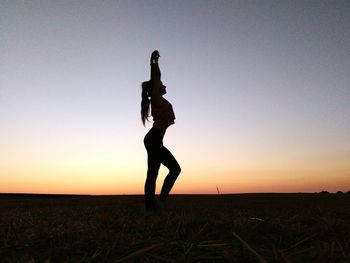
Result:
{"points": [[340, 193], [324, 192], [194, 228]]}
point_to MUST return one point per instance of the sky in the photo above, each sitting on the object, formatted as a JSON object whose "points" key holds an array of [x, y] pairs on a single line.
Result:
{"points": [[260, 91]]}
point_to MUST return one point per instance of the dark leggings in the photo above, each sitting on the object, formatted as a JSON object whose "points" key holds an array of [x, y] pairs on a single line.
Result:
{"points": [[157, 154]]}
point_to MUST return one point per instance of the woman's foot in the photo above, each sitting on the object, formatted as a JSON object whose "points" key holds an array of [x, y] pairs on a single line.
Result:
{"points": [[152, 211], [160, 204]]}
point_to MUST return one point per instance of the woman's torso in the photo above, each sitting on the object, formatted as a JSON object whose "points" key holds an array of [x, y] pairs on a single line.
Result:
{"points": [[163, 115]]}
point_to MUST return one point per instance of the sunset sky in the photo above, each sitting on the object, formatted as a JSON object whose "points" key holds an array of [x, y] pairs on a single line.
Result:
{"points": [[260, 90]]}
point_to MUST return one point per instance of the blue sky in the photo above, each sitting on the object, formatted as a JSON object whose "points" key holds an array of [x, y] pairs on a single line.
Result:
{"points": [[258, 87]]}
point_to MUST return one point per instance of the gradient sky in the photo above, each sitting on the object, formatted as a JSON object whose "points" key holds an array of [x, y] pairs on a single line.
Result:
{"points": [[260, 91]]}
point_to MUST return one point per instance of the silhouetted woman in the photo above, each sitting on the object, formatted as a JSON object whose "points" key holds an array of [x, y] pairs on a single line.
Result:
{"points": [[163, 116]]}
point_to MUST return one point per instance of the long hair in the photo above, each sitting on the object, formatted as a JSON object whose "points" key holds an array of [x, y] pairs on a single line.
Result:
{"points": [[145, 101]]}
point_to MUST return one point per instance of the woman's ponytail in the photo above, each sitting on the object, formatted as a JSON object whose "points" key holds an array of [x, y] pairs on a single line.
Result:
{"points": [[145, 101]]}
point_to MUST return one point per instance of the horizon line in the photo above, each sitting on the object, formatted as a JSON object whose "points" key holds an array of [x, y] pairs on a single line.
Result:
{"points": [[86, 195]]}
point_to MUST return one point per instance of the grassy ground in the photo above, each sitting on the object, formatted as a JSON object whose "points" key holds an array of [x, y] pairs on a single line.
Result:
{"points": [[217, 228]]}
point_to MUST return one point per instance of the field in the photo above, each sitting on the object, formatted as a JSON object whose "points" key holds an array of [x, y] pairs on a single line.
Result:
{"points": [[193, 228]]}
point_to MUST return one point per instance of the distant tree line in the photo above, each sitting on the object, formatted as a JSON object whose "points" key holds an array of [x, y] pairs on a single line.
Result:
{"points": [[339, 192]]}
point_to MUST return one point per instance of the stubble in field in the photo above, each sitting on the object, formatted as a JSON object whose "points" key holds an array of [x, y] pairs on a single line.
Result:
{"points": [[193, 228]]}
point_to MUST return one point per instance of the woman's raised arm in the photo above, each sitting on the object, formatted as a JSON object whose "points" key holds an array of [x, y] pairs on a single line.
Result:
{"points": [[155, 79]]}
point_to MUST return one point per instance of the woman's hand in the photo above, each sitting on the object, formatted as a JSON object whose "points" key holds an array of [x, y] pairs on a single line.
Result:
{"points": [[155, 56]]}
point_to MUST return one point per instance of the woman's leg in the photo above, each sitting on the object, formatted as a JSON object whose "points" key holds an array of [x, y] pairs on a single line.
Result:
{"points": [[152, 173], [153, 143], [168, 160]]}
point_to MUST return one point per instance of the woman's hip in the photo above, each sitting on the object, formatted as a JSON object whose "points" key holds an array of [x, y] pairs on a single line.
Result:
{"points": [[154, 138]]}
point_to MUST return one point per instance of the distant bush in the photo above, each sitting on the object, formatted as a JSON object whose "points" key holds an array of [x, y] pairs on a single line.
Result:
{"points": [[340, 193], [324, 192]]}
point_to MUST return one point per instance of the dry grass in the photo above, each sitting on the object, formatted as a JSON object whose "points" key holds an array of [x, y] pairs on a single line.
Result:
{"points": [[218, 228]]}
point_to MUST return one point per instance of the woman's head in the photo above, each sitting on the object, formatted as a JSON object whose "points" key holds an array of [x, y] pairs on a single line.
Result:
{"points": [[146, 100]]}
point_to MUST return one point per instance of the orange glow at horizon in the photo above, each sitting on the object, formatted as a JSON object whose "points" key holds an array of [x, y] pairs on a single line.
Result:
{"points": [[192, 182], [94, 166]]}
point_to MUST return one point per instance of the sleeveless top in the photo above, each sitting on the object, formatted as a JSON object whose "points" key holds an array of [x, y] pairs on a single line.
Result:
{"points": [[163, 115]]}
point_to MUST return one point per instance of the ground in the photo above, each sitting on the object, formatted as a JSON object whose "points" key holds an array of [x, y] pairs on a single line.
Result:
{"points": [[193, 228]]}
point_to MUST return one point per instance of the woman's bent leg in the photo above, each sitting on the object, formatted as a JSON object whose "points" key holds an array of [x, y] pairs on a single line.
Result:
{"points": [[174, 170]]}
